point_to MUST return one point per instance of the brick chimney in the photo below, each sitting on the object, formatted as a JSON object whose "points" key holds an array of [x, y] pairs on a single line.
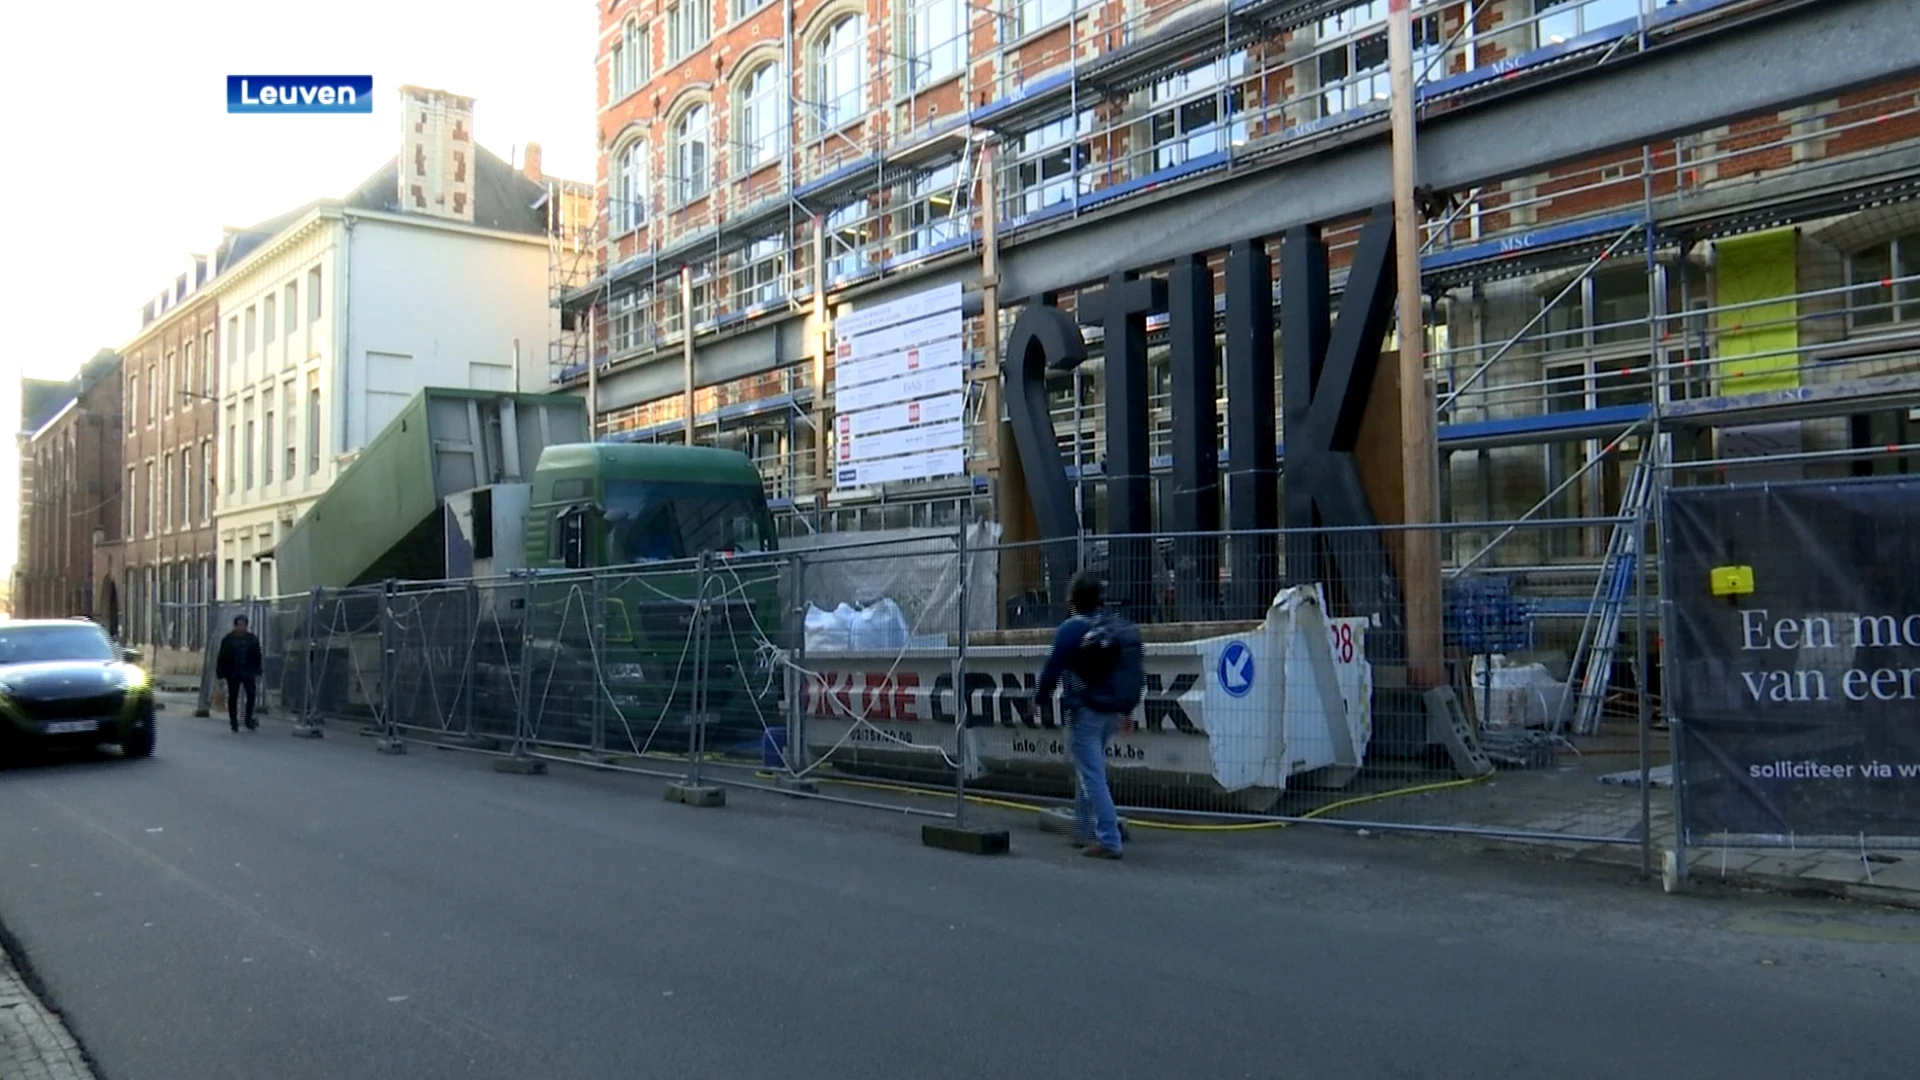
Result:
{"points": [[532, 165], [436, 153]]}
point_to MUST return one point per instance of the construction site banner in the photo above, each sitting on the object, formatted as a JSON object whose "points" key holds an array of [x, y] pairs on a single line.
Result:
{"points": [[1794, 659]]}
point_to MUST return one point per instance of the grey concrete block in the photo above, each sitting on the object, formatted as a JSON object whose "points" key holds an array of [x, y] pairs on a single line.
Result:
{"points": [[390, 746], [967, 841], [521, 766], [307, 731], [799, 785], [696, 794]]}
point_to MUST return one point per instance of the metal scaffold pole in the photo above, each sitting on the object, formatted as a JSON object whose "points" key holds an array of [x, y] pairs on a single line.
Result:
{"points": [[389, 741], [304, 727], [521, 759]]}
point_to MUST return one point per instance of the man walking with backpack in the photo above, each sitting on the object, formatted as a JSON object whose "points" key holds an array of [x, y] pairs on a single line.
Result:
{"points": [[1096, 663], [239, 665]]}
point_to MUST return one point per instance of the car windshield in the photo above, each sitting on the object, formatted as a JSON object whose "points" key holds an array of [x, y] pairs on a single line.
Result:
{"points": [[39, 644], [652, 522]]}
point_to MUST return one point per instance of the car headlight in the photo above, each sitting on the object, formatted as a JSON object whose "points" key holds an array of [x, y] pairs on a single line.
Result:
{"points": [[133, 678]]}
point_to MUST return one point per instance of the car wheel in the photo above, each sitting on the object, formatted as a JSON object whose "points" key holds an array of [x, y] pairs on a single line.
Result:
{"points": [[140, 743]]}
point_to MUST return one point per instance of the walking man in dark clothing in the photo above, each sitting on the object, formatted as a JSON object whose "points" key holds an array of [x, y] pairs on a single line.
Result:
{"points": [[1098, 666], [239, 665]]}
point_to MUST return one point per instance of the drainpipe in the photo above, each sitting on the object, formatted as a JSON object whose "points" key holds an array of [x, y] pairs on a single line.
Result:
{"points": [[686, 346], [342, 330]]}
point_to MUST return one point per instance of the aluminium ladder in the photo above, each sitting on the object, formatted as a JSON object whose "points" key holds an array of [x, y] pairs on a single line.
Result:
{"points": [[1591, 675]]}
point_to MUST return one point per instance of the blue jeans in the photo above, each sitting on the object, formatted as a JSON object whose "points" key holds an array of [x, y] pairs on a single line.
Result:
{"points": [[1094, 818]]}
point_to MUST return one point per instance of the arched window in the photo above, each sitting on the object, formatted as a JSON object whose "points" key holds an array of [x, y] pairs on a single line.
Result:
{"points": [[693, 168], [627, 192], [840, 73], [763, 127]]}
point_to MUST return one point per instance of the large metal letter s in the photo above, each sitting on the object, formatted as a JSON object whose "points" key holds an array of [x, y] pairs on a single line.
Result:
{"points": [[1044, 339]]}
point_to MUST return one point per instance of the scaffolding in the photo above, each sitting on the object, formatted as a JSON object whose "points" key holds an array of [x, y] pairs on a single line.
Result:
{"points": [[575, 233], [1084, 106]]}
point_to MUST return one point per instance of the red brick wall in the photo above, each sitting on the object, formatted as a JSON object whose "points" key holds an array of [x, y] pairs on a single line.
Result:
{"points": [[182, 424], [76, 461]]}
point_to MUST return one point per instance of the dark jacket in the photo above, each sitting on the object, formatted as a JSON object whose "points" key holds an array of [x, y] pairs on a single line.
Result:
{"points": [[1117, 694], [239, 656]]}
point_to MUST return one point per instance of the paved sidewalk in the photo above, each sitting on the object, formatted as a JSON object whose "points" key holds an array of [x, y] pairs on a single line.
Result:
{"points": [[1571, 799], [34, 1044]]}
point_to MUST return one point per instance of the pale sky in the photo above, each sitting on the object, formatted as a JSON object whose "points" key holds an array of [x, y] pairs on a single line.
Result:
{"points": [[119, 157]]}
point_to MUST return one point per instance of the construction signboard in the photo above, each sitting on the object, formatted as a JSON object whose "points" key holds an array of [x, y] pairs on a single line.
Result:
{"points": [[1793, 661], [900, 388]]}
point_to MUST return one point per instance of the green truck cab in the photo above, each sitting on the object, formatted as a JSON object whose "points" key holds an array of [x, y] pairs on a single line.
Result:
{"points": [[673, 530], [618, 504]]}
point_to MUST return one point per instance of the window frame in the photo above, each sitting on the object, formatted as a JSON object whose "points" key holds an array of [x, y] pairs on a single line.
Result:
{"points": [[628, 212], [760, 117], [689, 29], [1030, 17], [1901, 300], [689, 173], [935, 51], [830, 54]]}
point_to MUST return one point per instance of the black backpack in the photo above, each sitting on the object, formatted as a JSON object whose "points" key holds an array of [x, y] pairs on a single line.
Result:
{"points": [[1099, 652]]}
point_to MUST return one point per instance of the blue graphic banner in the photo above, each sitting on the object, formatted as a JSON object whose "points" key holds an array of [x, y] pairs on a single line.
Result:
{"points": [[299, 93]]}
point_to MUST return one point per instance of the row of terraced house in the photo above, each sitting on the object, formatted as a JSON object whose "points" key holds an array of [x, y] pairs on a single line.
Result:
{"points": [[162, 476]]}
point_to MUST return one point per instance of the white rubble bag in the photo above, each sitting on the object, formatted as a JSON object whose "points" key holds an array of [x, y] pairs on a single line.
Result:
{"points": [[1508, 697]]}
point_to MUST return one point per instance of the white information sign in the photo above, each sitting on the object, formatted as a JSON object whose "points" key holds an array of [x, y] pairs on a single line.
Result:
{"points": [[909, 440], [951, 380], [933, 410], [906, 309], [900, 390], [912, 467], [908, 361]]}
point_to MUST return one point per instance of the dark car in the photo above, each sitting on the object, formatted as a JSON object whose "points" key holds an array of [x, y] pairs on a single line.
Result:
{"points": [[64, 683]]}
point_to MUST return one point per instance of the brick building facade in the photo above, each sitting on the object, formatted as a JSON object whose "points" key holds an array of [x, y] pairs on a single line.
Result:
{"points": [[758, 156], [162, 558], [69, 495]]}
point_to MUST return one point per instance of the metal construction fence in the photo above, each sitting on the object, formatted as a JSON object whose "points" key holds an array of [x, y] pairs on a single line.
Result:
{"points": [[901, 671]]}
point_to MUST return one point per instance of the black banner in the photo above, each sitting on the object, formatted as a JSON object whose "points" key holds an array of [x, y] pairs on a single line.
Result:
{"points": [[1794, 656]]}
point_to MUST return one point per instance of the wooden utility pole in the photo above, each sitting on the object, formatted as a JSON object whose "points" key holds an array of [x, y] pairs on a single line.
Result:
{"points": [[990, 302], [1420, 547]]}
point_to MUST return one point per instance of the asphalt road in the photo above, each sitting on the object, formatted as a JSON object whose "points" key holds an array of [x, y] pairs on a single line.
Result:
{"points": [[252, 906]]}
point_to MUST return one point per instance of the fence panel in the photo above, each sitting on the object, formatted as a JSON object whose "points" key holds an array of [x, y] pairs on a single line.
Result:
{"points": [[1793, 629], [912, 662], [882, 649]]}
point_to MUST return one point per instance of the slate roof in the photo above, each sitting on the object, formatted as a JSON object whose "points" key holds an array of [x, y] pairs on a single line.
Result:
{"points": [[503, 198]]}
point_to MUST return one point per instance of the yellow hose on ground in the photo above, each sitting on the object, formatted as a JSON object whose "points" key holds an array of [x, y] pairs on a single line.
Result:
{"points": [[1169, 826]]}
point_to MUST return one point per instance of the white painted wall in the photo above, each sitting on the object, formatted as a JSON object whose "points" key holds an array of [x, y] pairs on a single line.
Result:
{"points": [[403, 306], [434, 306]]}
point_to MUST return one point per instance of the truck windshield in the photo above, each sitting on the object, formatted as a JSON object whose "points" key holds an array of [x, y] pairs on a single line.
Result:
{"points": [[650, 522]]}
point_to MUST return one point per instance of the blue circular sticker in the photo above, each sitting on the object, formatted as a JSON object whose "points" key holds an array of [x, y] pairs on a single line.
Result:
{"points": [[1236, 669]]}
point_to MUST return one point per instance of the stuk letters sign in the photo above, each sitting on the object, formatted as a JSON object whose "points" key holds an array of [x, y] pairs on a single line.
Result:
{"points": [[1329, 373]]}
